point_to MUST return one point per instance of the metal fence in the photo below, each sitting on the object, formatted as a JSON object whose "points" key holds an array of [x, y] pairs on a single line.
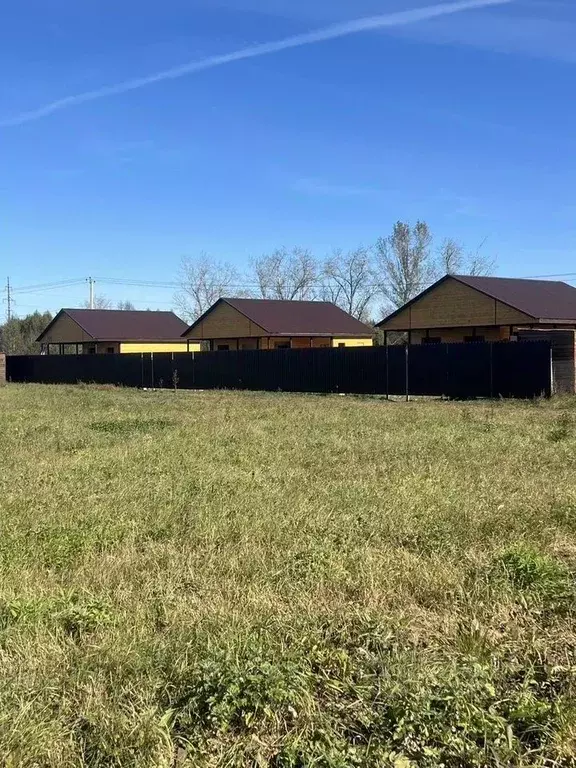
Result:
{"points": [[452, 370]]}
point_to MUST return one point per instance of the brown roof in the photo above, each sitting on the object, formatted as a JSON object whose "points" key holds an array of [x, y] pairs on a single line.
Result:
{"points": [[295, 318], [124, 325], [544, 300]]}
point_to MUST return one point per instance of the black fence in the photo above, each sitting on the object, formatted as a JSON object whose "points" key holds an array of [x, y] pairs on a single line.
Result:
{"points": [[505, 369]]}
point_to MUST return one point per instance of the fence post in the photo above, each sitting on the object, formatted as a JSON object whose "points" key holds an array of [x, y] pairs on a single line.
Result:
{"points": [[407, 382], [142, 370], [491, 370], [2, 370], [152, 368], [387, 374], [447, 347]]}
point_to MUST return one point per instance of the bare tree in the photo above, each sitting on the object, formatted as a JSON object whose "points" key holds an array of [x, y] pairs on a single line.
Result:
{"points": [[404, 262], [452, 260], [349, 281], [479, 263], [100, 302], [407, 265], [126, 306], [283, 274], [450, 257], [203, 281]]}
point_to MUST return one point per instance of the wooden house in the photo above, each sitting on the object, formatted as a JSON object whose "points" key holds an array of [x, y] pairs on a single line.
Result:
{"points": [[111, 331], [236, 324], [463, 308]]}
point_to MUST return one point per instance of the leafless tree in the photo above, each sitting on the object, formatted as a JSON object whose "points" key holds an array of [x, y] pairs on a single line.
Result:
{"points": [[404, 262], [126, 306], [100, 302], [284, 274], [479, 263], [203, 281], [453, 260], [349, 281], [450, 257]]}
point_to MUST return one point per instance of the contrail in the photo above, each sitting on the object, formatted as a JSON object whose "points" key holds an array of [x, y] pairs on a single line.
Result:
{"points": [[307, 38]]}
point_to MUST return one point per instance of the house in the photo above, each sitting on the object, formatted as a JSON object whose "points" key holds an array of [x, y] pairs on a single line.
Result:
{"points": [[232, 324], [111, 331], [462, 308]]}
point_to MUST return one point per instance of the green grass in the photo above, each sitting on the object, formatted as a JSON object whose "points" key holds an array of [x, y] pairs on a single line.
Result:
{"points": [[229, 579]]}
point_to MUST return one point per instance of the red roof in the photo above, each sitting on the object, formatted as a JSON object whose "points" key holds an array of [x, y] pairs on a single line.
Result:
{"points": [[295, 318], [124, 325]]}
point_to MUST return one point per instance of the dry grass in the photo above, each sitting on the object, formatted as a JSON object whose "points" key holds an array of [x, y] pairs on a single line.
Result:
{"points": [[225, 579]]}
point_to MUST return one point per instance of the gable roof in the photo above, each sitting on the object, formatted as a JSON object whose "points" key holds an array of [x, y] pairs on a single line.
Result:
{"points": [[541, 299], [294, 318], [123, 325]]}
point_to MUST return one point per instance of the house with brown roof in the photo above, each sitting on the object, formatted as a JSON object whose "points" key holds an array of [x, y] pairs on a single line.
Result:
{"points": [[236, 324], [464, 308], [113, 331]]}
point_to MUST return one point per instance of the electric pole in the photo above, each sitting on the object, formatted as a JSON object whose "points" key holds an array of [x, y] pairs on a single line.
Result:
{"points": [[8, 300], [91, 284]]}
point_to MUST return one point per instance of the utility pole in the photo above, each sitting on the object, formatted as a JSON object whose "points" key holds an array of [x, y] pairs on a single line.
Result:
{"points": [[91, 283], [8, 300]]}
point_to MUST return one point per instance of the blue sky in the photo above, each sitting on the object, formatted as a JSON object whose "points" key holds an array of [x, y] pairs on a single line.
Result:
{"points": [[466, 120]]}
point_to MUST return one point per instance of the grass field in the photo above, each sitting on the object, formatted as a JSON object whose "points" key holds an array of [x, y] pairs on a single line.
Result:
{"points": [[230, 579]]}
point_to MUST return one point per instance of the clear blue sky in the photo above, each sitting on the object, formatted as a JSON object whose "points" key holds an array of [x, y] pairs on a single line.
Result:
{"points": [[467, 120]]}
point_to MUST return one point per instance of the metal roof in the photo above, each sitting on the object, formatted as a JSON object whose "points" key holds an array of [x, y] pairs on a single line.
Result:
{"points": [[546, 300], [543, 299], [295, 318], [124, 325]]}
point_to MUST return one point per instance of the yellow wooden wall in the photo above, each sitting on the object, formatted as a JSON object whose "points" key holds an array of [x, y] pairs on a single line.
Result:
{"points": [[144, 346], [225, 322], [65, 330], [353, 342], [452, 304]]}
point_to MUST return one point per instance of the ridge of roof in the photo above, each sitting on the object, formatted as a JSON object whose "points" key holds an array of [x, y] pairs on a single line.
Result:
{"points": [[286, 316]]}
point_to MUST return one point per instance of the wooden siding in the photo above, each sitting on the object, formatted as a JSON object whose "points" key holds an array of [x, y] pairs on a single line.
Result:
{"points": [[231, 343], [131, 348], [66, 331], [248, 343], [353, 342], [455, 305], [225, 322], [457, 335], [103, 347], [295, 342]]}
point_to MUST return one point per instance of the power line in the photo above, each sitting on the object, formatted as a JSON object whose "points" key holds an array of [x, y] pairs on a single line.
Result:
{"points": [[41, 287], [171, 285]]}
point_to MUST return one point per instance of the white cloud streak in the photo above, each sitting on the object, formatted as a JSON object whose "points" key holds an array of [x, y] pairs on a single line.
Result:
{"points": [[331, 32]]}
